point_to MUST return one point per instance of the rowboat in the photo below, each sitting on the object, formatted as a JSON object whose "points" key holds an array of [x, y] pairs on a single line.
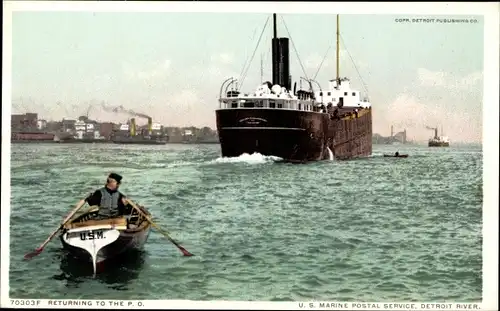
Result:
{"points": [[97, 240], [109, 271], [395, 156]]}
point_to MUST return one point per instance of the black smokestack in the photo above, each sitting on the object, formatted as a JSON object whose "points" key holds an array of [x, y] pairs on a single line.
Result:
{"points": [[275, 55], [285, 64], [275, 28], [281, 59]]}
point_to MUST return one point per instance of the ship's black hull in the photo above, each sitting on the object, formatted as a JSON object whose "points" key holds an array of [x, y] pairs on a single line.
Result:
{"points": [[139, 141], [295, 136], [83, 141], [438, 144], [33, 141]]}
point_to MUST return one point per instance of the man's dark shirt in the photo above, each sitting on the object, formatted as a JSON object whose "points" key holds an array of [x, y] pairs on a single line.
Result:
{"points": [[95, 199]]}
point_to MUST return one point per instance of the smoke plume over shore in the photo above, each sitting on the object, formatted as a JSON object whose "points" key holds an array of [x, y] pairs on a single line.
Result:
{"points": [[121, 109]]}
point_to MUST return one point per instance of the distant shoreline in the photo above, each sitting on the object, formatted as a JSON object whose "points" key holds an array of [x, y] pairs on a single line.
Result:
{"points": [[400, 146], [100, 142]]}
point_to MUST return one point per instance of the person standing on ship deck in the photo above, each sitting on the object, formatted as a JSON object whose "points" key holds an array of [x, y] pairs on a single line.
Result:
{"points": [[112, 203]]}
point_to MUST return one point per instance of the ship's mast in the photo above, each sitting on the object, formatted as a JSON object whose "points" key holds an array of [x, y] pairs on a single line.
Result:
{"points": [[338, 50]]}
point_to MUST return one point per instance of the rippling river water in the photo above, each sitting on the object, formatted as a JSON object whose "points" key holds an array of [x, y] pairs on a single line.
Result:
{"points": [[374, 229]]}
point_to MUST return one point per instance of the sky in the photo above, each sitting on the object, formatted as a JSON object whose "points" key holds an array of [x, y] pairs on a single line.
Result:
{"points": [[171, 65]]}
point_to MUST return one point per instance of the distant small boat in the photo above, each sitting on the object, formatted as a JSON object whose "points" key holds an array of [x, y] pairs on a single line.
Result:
{"points": [[395, 156], [98, 240]]}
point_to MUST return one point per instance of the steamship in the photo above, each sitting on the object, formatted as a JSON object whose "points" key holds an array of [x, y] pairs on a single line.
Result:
{"points": [[27, 128], [153, 135], [438, 141], [299, 125]]}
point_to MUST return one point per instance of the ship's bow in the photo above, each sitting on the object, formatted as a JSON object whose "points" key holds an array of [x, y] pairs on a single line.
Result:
{"points": [[290, 135]]}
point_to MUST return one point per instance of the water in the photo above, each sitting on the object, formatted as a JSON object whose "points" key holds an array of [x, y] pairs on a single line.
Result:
{"points": [[375, 229]]}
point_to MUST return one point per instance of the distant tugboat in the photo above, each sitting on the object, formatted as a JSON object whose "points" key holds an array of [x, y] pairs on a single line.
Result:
{"points": [[27, 128], [299, 125], [152, 136], [31, 136], [438, 141]]}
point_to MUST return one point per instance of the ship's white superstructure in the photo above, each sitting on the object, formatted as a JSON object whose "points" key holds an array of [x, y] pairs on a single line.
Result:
{"points": [[440, 139], [338, 94]]}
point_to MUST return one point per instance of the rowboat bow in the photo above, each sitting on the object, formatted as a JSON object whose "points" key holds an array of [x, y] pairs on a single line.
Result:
{"points": [[97, 240]]}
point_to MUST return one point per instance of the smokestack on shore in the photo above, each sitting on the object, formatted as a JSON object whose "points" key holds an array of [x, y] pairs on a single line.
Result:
{"points": [[132, 127], [150, 126]]}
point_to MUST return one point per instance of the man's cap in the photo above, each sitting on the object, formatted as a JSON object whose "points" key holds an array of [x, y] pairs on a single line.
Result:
{"points": [[115, 176]]}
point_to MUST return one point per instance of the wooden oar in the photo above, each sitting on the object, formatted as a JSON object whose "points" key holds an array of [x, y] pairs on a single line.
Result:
{"points": [[41, 247], [182, 249]]}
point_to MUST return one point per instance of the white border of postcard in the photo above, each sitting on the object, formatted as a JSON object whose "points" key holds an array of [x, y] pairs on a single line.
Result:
{"points": [[490, 133]]}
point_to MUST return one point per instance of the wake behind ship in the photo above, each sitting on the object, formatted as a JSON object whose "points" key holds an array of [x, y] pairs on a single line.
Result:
{"points": [[299, 125]]}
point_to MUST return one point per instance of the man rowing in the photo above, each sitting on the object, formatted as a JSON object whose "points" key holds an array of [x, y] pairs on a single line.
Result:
{"points": [[112, 203]]}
